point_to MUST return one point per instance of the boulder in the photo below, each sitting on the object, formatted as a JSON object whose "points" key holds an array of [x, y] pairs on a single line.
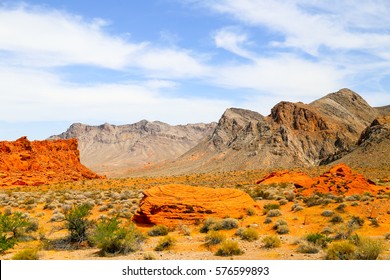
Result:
{"points": [[180, 204]]}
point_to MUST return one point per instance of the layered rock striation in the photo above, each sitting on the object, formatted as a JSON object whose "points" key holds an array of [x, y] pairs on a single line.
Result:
{"points": [[25, 162], [180, 204]]}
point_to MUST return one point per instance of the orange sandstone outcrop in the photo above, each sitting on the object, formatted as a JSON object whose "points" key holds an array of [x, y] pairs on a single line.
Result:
{"points": [[340, 179], [180, 204], [25, 162]]}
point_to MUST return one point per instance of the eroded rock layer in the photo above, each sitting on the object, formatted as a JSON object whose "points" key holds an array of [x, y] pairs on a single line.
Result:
{"points": [[25, 162], [181, 204]]}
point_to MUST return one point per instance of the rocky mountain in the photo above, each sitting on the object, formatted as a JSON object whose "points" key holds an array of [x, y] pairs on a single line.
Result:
{"points": [[384, 110], [293, 135], [373, 148], [24, 162], [113, 150]]}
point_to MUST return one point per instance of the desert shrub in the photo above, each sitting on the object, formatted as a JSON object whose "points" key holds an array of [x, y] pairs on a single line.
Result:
{"points": [[283, 229], [208, 223], [355, 222], [271, 241], [369, 248], [270, 206], [6, 242], [158, 230], [296, 207], [327, 230], [341, 250], [77, 223], [274, 213], [165, 243], [149, 257], [341, 207], [336, 219], [279, 223], [229, 248], [226, 224], [312, 200], [214, 238], [327, 213], [318, 239], [248, 234], [16, 223], [111, 238], [307, 249], [27, 254], [374, 222], [267, 220], [283, 202], [387, 236], [250, 211]]}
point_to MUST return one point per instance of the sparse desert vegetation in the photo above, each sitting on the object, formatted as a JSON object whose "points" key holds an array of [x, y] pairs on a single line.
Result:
{"points": [[92, 220]]}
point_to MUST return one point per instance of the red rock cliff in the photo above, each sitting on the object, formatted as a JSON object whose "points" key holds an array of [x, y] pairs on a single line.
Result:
{"points": [[25, 162]]}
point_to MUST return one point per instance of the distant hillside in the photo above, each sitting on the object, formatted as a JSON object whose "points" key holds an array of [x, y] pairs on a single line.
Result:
{"points": [[293, 135], [112, 150], [384, 110]]}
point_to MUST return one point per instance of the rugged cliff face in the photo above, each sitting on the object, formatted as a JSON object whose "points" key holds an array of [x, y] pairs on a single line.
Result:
{"points": [[373, 148], [293, 135], [112, 149], [25, 162]]}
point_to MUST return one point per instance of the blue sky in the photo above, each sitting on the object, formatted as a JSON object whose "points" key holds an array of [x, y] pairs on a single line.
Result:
{"points": [[182, 61]]}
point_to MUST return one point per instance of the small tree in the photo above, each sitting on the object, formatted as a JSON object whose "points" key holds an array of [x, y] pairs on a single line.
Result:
{"points": [[77, 223]]}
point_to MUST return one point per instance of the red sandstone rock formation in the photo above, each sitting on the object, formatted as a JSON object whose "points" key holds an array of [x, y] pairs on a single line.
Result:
{"points": [[340, 179], [25, 162], [180, 204]]}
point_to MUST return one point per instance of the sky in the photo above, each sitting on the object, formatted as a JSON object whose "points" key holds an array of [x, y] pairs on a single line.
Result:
{"points": [[182, 61]]}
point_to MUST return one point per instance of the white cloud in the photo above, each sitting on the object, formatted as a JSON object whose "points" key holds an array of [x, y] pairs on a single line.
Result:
{"points": [[44, 97], [33, 37], [233, 40]]}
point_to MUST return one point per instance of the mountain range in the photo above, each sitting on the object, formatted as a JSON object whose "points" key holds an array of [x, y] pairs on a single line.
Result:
{"points": [[340, 126]]}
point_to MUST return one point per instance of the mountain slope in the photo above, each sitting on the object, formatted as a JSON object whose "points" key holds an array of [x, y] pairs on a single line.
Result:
{"points": [[293, 135], [112, 149], [373, 149]]}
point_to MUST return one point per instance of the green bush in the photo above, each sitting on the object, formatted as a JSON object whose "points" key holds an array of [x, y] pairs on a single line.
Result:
{"points": [[12, 227], [214, 238], [111, 238], [77, 223], [318, 239], [159, 230], [271, 241], [165, 243], [14, 222], [229, 248], [248, 234], [27, 254]]}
